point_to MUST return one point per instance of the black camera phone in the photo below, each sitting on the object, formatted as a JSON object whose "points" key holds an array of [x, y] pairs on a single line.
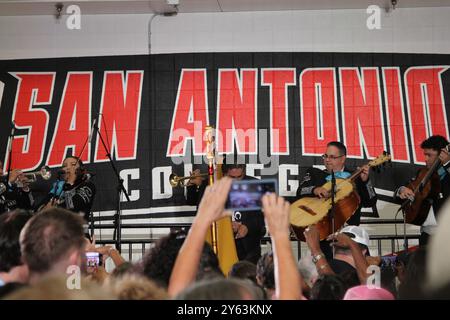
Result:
{"points": [[245, 195]]}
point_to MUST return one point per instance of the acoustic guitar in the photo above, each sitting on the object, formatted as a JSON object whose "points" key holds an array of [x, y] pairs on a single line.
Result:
{"points": [[312, 210]]}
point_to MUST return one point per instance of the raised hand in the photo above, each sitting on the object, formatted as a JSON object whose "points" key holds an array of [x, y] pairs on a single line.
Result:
{"points": [[276, 213], [287, 277], [212, 205], [340, 240], [312, 237]]}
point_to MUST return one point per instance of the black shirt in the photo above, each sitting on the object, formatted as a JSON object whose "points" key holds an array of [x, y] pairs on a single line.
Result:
{"points": [[316, 178], [13, 197], [438, 201], [340, 267], [346, 272], [77, 198]]}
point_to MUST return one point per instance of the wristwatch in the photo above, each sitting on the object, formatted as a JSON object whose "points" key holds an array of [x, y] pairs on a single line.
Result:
{"points": [[316, 258]]}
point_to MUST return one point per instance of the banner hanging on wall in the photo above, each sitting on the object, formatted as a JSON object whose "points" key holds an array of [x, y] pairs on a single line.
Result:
{"points": [[276, 110]]}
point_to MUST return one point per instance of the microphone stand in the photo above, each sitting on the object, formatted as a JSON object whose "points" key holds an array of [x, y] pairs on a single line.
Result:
{"points": [[11, 138], [90, 226], [403, 210], [120, 189], [333, 203]]}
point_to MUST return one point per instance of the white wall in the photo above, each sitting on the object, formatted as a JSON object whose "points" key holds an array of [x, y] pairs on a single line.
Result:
{"points": [[404, 30], [419, 30]]}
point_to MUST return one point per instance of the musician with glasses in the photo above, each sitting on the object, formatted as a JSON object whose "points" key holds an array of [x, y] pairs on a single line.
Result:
{"points": [[334, 161], [15, 192], [434, 149]]}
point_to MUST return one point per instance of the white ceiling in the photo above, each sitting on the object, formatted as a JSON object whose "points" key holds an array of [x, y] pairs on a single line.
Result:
{"points": [[47, 7]]}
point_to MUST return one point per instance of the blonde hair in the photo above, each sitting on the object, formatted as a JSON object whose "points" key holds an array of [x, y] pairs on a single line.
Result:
{"points": [[56, 288], [134, 287]]}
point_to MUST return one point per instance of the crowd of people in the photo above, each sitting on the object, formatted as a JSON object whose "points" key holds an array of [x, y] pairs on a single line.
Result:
{"points": [[43, 252]]}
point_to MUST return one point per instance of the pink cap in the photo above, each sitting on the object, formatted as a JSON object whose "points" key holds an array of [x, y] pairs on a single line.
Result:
{"points": [[366, 293]]}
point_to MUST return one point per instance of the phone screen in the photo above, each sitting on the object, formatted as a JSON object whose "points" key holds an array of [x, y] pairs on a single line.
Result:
{"points": [[245, 195], [93, 259], [389, 260]]}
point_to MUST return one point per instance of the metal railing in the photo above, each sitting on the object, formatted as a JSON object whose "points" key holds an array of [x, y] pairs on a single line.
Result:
{"points": [[143, 242], [158, 225]]}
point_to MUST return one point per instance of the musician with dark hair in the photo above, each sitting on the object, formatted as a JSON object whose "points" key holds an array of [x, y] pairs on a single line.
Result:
{"points": [[74, 190], [435, 151], [248, 226], [334, 161], [15, 192]]}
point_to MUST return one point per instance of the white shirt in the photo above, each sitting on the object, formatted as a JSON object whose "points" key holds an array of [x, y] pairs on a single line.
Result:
{"points": [[430, 224]]}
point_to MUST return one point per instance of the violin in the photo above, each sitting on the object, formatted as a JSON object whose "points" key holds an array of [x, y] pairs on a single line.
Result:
{"points": [[426, 187]]}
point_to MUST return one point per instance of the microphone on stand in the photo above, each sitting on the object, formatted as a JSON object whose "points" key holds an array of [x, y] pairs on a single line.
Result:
{"points": [[88, 175]]}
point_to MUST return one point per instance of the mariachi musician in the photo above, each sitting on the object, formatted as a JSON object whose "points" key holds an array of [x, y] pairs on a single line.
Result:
{"points": [[248, 227], [74, 190], [334, 161], [15, 192], [437, 159]]}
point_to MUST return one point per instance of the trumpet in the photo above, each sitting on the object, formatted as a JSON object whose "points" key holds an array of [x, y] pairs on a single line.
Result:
{"points": [[45, 174], [176, 181]]}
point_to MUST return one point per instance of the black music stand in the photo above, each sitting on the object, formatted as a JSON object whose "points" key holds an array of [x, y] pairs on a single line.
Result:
{"points": [[120, 188]]}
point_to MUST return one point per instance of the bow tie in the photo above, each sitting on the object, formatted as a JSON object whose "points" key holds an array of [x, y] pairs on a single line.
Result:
{"points": [[339, 175]]}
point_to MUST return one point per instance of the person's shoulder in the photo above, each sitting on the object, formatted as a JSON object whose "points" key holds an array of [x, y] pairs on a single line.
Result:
{"points": [[349, 169], [88, 183], [316, 171]]}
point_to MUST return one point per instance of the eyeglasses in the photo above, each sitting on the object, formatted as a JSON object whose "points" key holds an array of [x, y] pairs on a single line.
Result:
{"points": [[326, 156]]}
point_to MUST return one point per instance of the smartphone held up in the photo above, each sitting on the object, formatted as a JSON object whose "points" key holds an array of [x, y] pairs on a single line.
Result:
{"points": [[245, 195]]}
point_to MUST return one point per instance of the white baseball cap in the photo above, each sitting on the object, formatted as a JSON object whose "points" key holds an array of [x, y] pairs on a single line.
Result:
{"points": [[360, 234]]}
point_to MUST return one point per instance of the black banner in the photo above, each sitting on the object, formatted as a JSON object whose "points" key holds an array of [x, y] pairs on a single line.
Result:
{"points": [[277, 110]]}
